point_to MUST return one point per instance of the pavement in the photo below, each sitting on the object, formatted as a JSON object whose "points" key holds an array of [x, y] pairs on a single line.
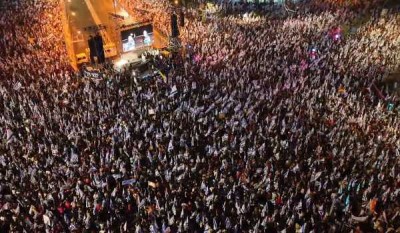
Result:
{"points": [[79, 18], [100, 10]]}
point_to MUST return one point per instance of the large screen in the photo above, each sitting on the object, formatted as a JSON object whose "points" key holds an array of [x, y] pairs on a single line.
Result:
{"points": [[137, 37]]}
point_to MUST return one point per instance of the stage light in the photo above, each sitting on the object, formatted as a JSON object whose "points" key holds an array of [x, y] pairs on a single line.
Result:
{"points": [[121, 63], [73, 13], [123, 13], [176, 2]]}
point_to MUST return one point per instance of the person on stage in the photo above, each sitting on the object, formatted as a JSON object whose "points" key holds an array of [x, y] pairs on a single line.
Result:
{"points": [[131, 42], [147, 39]]}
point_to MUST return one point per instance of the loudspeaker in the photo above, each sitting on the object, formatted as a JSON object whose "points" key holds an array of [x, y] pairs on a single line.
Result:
{"points": [[96, 49], [92, 47], [99, 48], [174, 26], [182, 19]]}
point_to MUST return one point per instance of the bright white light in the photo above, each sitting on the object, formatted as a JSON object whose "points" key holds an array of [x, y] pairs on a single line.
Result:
{"points": [[123, 13], [121, 63]]}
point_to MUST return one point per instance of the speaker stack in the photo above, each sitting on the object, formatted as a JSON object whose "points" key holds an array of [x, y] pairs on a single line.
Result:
{"points": [[174, 26], [96, 49]]}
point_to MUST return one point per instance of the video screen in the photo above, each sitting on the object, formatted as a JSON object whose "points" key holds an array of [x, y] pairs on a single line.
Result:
{"points": [[136, 38]]}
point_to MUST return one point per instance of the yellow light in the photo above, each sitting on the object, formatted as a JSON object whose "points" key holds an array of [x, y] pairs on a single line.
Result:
{"points": [[69, 1], [73, 13], [79, 32], [176, 2]]}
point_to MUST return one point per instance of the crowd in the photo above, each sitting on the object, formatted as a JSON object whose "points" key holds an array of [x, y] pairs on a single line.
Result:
{"points": [[26, 41], [264, 125], [156, 11]]}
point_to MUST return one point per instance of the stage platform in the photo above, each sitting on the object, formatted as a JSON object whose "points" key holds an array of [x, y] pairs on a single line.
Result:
{"points": [[133, 57], [84, 14]]}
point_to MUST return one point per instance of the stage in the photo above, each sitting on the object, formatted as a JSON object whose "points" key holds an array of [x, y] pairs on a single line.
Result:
{"points": [[126, 35]]}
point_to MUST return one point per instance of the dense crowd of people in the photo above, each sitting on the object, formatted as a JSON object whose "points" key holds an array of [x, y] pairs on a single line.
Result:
{"points": [[156, 11], [263, 124], [28, 42]]}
